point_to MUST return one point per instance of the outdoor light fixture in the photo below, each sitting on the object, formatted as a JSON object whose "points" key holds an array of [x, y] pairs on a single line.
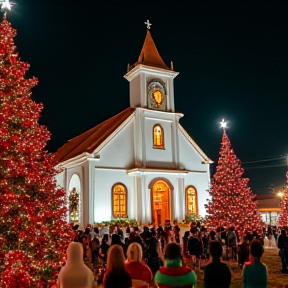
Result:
{"points": [[280, 194]]}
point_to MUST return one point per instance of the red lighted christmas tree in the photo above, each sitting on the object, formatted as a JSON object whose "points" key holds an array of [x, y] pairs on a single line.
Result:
{"points": [[231, 202], [34, 234], [283, 219]]}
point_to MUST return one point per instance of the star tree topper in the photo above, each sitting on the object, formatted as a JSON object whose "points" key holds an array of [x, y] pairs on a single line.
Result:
{"points": [[6, 5], [223, 124]]}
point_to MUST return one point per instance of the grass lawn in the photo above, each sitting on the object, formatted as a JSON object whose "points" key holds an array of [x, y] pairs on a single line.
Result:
{"points": [[270, 258], [272, 261]]}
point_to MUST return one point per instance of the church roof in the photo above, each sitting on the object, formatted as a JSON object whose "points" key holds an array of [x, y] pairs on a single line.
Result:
{"points": [[91, 139], [149, 54]]}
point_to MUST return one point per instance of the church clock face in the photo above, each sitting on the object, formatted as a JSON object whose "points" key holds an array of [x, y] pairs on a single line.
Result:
{"points": [[156, 94]]}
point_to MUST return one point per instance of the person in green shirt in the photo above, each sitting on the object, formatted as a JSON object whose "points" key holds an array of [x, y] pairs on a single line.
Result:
{"points": [[255, 274], [173, 274]]}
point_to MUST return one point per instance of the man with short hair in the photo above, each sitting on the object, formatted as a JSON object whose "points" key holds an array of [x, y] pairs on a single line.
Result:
{"points": [[256, 268], [174, 274], [95, 246], [194, 247], [283, 250], [216, 274], [232, 241]]}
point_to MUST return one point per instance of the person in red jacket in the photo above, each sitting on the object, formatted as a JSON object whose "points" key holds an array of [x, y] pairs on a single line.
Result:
{"points": [[134, 265]]}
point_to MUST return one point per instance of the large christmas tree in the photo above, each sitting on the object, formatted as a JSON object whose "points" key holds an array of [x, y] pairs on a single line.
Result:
{"points": [[34, 233], [231, 202], [283, 219]]}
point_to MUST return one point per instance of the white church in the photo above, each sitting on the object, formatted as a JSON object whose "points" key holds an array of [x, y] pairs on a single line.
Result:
{"points": [[140, 164]]}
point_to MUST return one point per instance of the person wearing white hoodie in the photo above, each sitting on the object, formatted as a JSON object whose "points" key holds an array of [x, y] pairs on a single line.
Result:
{"points": [[75, 274]]}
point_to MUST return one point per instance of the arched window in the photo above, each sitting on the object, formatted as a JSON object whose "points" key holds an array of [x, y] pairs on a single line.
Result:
{"points": [[158, 137], [191, 200], [119, 201]]}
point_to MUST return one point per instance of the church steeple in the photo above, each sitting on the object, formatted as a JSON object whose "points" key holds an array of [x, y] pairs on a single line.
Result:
{"points": [[149, 54], [151, 80]]}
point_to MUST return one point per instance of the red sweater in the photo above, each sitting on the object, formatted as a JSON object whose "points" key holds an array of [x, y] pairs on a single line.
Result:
{"points": [[139, 271]]}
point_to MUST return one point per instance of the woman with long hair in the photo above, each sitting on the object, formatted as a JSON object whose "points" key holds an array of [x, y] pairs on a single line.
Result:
{"points": [[134, 265], [116, 275]]}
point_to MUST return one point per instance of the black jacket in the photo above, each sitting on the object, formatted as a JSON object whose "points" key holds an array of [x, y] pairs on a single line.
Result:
{"points": [[217, 275], [194, 246], [283, 242]]}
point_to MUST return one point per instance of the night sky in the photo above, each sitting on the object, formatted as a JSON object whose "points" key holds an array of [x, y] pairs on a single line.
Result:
{"points": [[232, 57]]}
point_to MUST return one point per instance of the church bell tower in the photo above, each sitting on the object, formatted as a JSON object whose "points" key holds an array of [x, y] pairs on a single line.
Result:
{"points": [[151, 81]]}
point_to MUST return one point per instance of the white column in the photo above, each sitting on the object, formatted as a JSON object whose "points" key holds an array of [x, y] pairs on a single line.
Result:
{"points": [[170, 103], [175, 204], [144, 200], [138, 139], [138, 193], [181, 199], [148, 206], [91, 188]]}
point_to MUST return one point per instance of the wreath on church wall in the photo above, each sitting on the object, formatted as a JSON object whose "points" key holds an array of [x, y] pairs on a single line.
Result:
{"points": [[74, 205], [74, 202]]}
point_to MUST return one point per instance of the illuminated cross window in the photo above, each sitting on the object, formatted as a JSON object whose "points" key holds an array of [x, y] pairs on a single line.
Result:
{"points": [[158, 136], [119, 201], [191, 200]]}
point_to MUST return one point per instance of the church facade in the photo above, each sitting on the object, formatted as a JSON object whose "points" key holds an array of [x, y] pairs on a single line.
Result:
{"points": [[140, 164]]}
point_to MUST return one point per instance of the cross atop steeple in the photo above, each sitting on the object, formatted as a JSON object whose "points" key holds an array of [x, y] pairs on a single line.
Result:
{"points": [[148, 24]]}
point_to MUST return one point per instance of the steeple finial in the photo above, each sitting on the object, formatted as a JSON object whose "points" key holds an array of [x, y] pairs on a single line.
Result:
{"points": [[149, 54], [148, 24]]}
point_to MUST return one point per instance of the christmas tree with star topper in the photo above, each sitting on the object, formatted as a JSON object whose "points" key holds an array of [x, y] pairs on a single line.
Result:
{"points": [[283, 219], [231, 201], [34, 234]]}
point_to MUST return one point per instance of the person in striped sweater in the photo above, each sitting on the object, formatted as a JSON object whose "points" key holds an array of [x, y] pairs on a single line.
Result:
{"points": [[173, 274]]}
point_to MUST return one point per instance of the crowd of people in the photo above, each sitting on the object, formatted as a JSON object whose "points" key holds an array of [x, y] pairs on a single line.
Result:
{"points": [[143, 256]]}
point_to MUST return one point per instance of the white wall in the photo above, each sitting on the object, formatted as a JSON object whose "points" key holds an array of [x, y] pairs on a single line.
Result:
{"points": [[119, 152], [158, 157], [135, 91], [189, 156], [104, 181], [60, 179]]}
